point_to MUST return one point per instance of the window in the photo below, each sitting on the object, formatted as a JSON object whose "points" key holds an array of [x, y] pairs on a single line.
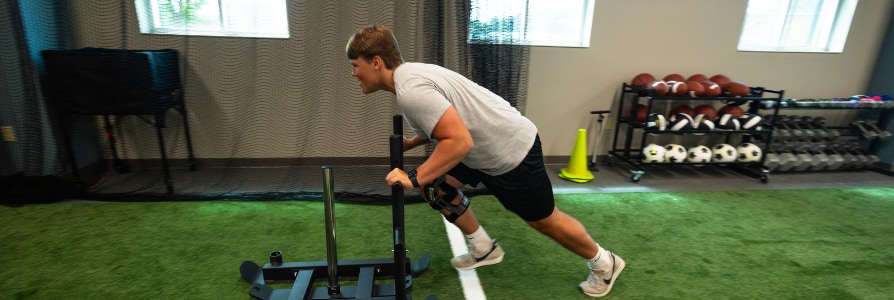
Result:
{"points": [[563, 23], [244, 18], [796, 25]]}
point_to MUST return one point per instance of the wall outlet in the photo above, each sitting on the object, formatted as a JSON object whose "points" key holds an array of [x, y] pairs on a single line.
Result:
{"points": [[9, 135]]}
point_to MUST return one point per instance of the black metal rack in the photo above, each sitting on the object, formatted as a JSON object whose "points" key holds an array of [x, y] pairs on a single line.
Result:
{"points": [[630, 151], [877, 110]]}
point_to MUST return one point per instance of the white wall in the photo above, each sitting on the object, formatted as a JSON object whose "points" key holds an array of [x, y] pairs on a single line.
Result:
{"points": [[685, 37]]}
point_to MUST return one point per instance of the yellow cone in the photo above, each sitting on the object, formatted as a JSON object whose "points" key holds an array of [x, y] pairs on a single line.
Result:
{"points": [[577, 166]]}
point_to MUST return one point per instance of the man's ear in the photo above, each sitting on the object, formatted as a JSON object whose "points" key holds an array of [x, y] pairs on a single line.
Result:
{"points": [[378, 63]]}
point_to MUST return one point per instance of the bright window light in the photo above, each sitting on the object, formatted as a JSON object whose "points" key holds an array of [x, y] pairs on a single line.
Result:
{"points": [[796, 25], [562, 23], [241, 18]]}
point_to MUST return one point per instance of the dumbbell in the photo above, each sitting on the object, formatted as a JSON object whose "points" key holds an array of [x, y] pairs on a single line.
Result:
{"points": [[817, 160], [805, 160], [807, 122], [771, 161], [787, 161], [795, 122], [779, 132], [785, 122], [862, 160], [819, 122], [867, 161], [850, 160], [820, 161], [866, 134], [836, 161], [882, 134]]}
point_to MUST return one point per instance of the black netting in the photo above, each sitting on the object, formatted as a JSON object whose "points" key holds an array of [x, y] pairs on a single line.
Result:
{"points": [[139, 116]]}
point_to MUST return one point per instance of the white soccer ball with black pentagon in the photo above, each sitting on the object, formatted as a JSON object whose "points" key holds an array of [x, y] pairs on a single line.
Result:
{"points": [[724, 153], [749, 152], [699, 154], [674, 153], [653, 153]]}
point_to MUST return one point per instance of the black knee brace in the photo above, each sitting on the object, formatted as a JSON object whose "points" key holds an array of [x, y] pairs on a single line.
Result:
{"points": [[439, 203]]}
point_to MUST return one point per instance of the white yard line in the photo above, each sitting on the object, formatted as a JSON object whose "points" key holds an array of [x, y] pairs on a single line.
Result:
{"points": [[471, 285]]}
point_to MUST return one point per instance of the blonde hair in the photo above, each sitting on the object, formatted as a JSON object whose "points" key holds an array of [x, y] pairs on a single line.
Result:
{"points": [[372, 41]]}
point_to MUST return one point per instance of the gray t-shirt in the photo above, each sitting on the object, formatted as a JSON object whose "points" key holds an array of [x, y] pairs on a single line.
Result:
{"points": [[502, 136]]}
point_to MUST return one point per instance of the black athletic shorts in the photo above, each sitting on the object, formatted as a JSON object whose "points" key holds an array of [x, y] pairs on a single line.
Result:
{"points": [[526, 190]]}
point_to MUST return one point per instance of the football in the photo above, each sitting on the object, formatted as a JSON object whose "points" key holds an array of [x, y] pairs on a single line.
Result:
{"points": [[674, 77], [696, 89], [697, 77], [682, 109], [706, 109], [735, 89], [720, 79], [674, 153], [724, 153], [677, 88], [748, 152], [641, 111], [642, 80], [658, 87], [653, 153], [712, 89], [735, 110], [699, 154]]}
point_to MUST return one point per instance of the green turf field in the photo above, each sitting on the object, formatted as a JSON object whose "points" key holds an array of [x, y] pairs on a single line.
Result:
{"points": [[783, 244]]}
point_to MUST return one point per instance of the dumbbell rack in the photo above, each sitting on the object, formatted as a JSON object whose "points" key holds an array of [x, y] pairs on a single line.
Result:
{"points": [[858, 141], [629, 150]]}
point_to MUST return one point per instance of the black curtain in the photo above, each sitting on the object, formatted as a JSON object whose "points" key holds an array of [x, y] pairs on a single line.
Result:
{"points": [[33, 168]]}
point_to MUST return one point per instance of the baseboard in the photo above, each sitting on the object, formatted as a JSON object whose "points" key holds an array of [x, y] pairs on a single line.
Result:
{"points": [[180, 163]]}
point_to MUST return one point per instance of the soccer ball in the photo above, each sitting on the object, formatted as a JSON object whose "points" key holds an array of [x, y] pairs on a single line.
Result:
{"points": [[724, 153], [653, 153], [749, 152], [674, 153], [699, 154]]}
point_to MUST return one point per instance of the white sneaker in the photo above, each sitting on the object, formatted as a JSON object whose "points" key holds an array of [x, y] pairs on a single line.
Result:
{"points": [[600, 282], [468, 262]]}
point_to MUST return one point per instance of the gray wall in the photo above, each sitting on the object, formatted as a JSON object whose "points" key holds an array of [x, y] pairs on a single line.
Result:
{"points": [[685, 37], [310, 74]]}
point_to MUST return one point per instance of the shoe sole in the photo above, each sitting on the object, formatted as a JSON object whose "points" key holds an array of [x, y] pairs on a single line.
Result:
{"points": [[619, 265]]}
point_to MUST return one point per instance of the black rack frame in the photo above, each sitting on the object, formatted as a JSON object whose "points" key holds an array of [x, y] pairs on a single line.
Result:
{"points": [[632, 156]]}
